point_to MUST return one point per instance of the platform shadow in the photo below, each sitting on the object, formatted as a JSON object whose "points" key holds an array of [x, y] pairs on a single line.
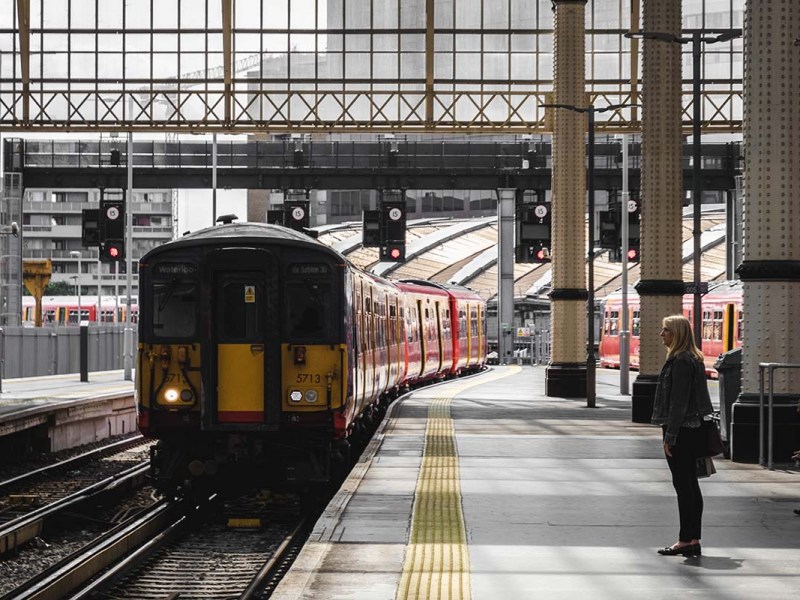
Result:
{"points": [[714, 563]]}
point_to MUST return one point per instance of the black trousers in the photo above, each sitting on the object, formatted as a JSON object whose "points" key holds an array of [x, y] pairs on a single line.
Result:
{"points": [[684, 480]]}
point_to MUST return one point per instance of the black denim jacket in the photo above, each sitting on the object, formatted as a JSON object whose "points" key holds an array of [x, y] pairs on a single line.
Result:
{"points": [[681, 395]]}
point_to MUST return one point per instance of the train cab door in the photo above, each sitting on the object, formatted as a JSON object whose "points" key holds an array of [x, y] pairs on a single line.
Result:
{"points": [[479, 354], [245, 341], [439, 335]]}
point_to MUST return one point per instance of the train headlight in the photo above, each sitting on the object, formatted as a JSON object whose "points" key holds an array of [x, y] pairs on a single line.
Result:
{"points": [[186, 395], [311, 395], [171, 395], [295, 396]]}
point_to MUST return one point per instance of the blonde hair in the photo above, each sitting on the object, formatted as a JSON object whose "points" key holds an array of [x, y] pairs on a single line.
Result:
{"points": [[682, 337]]}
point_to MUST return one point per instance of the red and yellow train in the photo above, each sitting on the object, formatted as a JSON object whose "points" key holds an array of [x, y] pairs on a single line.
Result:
{"points": [[63, 310], [263, 353], [722, 324]]}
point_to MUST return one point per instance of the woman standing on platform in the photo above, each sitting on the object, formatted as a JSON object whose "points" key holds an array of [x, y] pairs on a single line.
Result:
{"points": [[681, 402]]}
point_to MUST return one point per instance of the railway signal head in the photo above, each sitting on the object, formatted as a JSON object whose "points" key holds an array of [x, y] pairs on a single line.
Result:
{"points": [[112, 251], [112, 226], [394, 252], [633, 251], [539, 253]]}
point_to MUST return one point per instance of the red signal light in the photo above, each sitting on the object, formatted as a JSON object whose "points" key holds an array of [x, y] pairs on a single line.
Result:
{"points": [[394, 253], [633, 254], [540, 254], [112, 251]]}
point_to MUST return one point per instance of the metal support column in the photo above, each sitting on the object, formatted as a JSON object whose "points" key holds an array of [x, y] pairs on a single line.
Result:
{"points": [[127, 356], [566, 375], [505, 274], [624, 332], [771, 266], [661, 285]]}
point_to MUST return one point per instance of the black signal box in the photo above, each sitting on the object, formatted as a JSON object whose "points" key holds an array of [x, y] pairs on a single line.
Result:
{"points": [[371, 229], [90, 228], [112, 225]]}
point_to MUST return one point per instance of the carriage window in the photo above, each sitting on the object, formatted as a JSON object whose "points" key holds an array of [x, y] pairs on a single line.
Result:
{"points": [[717, 334], [636, 325], [306, 308], [614, 323], [707, 325], [240, 310], [174, 307], [740, 326]]}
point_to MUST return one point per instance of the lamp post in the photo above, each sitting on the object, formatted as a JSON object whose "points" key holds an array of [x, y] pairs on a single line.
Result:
{"points": [[591, 359], [695, 40], [77, 254]]}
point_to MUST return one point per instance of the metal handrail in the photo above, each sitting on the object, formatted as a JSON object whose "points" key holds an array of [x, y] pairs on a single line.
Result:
{"points": [[770, 368]]}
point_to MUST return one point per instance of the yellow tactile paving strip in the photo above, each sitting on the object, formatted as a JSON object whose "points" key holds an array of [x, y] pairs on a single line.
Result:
{"points": [[437, 558]]}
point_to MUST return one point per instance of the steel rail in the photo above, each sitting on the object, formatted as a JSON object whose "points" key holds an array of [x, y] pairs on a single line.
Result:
{"points": [[144, 530], [69, 462], [271, 567], [28, 526]]}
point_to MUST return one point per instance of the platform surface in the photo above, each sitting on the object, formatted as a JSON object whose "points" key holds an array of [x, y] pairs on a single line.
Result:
{"points": [[31, 395], [556, 501]]}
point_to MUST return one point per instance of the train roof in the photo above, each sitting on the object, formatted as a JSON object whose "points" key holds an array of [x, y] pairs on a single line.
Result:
{"points": [[459, 291], [727, 288], [241, 234]]}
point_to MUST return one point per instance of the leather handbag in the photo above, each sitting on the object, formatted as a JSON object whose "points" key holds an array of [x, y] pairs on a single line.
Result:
{"points": [[704, 467], [712, 439]]}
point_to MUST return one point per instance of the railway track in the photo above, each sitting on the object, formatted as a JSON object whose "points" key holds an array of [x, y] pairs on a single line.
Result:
{"points": [[30, 501], [179, 549], [130, 450]]}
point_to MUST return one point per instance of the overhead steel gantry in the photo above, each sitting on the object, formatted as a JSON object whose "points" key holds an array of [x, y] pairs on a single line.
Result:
{"points": [[396, 164], [335, 66]]}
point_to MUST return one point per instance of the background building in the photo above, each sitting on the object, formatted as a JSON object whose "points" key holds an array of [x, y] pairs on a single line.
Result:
{"points": [[51, 227]]}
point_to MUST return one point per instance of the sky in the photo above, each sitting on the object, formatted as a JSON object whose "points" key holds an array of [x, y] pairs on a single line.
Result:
{"points": [[195, 207]]}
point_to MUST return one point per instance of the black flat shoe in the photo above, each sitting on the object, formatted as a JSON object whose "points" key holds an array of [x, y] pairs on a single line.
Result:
{"points": [[688, 550], [796, 511]]}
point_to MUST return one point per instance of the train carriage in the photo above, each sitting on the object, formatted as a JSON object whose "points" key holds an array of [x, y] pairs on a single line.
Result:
{"points": [[463, 325], [63, 310], [721, 324], [264, 353]]}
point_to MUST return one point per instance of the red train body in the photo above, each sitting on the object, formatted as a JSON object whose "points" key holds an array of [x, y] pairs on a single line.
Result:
{"points": [[721, 324], [63, 310]]}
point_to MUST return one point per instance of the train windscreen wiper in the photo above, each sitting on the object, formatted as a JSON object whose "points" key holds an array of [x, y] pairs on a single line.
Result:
{"points": [[168, 294]]}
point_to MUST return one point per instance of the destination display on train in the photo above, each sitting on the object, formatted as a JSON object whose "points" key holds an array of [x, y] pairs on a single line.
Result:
{"points": [[309, 269], [173, 268]]}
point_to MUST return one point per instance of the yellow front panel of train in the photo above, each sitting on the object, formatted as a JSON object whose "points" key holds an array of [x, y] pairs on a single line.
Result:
{"points": [[240, 383], [312, 376]]}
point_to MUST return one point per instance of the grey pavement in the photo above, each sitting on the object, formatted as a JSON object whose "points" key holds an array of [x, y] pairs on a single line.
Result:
{"points": [[559, 501], [37, 393]]}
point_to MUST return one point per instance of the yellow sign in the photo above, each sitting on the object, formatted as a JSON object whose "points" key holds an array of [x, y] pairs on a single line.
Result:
{"points": [[36, 275], [249, 294]]}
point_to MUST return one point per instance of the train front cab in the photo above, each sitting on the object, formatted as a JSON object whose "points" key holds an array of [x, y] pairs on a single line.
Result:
{"points": [[242, 367]]}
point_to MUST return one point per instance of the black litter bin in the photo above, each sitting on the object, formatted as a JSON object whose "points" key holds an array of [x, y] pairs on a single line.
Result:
{"points": [[729, 367]]}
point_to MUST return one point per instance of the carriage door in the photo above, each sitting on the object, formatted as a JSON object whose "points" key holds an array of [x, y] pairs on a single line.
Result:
{"points": [[246, 365]]}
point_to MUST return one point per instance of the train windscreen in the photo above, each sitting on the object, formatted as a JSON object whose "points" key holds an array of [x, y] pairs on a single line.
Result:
{"points": [[175, 297]]}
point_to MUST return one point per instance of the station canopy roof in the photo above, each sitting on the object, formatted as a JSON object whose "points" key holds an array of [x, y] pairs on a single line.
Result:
{"points": [[464, 251]]}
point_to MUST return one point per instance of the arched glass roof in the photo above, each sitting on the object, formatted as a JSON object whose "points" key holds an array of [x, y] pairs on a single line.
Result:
{"points": [[464, 251]]}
